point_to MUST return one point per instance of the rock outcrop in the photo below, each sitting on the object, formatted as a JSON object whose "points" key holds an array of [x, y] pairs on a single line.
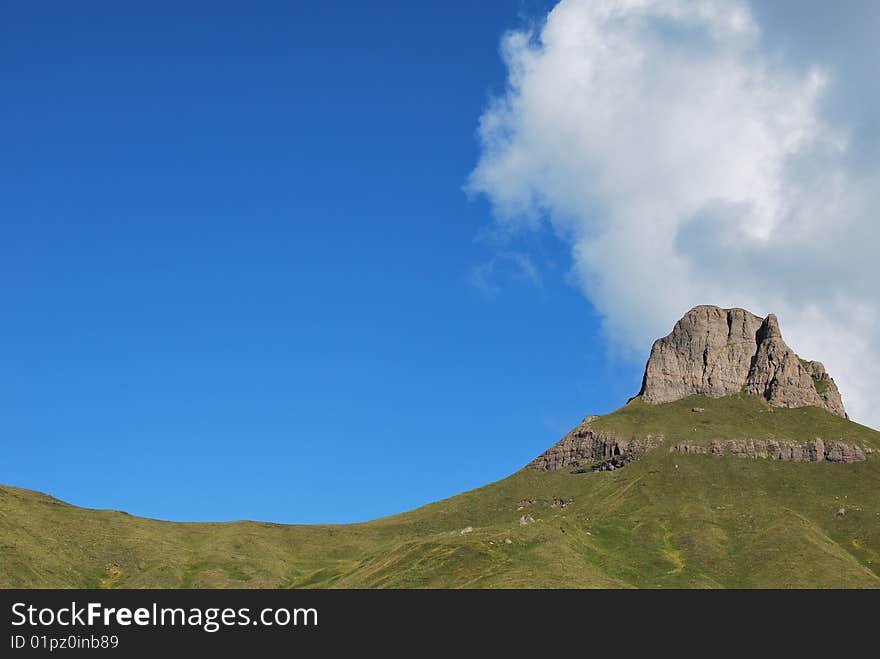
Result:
{"points": [[709, 352], [584, 446], [585, 449], [826, 388], [717, 352], [812, 451]]}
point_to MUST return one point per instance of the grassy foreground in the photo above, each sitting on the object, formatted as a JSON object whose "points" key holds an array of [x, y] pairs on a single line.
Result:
{"points": [[666, 520]]}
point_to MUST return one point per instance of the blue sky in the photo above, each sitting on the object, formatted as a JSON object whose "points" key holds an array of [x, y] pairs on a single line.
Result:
{"points": [[240, 277], [322, 262]]}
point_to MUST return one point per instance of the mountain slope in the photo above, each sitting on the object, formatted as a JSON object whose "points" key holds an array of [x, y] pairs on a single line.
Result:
{"points": [[666, 519]]}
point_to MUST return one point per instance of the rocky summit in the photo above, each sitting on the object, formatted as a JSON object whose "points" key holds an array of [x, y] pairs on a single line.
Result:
{"points": [[714, 354], [718, 352]]}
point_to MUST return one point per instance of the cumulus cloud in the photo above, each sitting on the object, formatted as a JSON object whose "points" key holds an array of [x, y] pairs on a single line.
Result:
{"points": [[686, 162]]}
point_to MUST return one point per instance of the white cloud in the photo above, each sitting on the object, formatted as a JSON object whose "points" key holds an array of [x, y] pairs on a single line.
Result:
{"points": [[687, 165], [510, 264]]}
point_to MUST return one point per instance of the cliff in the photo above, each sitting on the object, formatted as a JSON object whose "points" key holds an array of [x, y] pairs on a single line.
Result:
{"points": [[717, 352]]}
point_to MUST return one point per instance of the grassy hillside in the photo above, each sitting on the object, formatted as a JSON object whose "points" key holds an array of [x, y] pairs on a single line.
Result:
{"points": [[732, 417], [666, 520]]}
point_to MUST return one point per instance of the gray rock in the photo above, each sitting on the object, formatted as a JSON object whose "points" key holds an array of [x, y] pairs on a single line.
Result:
{"points": [[777, 373], [709, 351], [525, 520], [812, 451], [717, 352], [840, 452], [826, 388], [583, 446]]}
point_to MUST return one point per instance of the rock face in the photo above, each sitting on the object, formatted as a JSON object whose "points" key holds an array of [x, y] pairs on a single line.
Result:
{"points": [[583, 446], [709, 352], [717, 352], [812, 451], [584, 449], [826, 388]]}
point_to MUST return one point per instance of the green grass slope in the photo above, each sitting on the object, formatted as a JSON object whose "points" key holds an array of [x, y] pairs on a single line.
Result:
{"points": [[733, 417], [663, 521]]}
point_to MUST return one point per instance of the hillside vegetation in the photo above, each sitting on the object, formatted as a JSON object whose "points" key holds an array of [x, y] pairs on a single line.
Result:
{"points": [[665, 520], [732, 417]]}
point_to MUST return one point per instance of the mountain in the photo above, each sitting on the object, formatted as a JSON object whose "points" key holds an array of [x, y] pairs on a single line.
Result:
{"points": [[718, 352], [735, 466]]}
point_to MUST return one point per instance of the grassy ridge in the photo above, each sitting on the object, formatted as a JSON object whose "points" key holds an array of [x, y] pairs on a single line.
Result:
{"points": [[733, 417], [666, 520]]}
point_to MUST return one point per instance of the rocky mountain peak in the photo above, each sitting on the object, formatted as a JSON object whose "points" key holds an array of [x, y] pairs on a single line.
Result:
{"points": [[717, 352], [769, 328]]}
